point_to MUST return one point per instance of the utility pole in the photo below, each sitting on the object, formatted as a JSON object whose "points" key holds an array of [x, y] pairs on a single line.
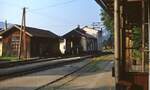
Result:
{"points": [[96, 25], [22, 42]]}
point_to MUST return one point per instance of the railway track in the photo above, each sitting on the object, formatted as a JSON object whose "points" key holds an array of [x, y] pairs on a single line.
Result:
{"points": [[62, 81], [8, 64], [40, 65]]}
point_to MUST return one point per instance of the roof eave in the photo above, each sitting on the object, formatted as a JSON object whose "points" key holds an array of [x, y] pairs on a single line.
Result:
{"points": [[104, 6], [20, 30]]}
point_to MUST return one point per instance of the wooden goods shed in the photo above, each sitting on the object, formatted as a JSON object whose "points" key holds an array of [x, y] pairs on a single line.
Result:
{"points": [[39, 43]]}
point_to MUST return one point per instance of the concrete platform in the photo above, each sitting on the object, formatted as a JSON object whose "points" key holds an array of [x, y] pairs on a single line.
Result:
{"points": [[30, 67], [35, 80]]}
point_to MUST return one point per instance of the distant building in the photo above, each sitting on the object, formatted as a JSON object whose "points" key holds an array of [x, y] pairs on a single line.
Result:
{"points": [[78, 42], [39, 43], [95, 33]]}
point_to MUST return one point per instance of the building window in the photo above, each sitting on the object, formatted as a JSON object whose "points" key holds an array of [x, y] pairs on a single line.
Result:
{"points": [[15, 42]]}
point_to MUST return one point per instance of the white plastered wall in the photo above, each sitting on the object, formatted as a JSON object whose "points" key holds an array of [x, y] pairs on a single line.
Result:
{"points": [[84, 43], [96, 34], [62, 46], [1, 45]]}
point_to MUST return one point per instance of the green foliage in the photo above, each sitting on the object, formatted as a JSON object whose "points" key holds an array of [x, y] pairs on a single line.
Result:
{"points": [[137, 40], [137, 54], [109, 25], [137, 37], [107, 21], [8, 58]]}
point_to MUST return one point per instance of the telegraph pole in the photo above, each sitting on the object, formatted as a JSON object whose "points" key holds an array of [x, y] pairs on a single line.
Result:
{"points": [[24, 32], [22, 42]]}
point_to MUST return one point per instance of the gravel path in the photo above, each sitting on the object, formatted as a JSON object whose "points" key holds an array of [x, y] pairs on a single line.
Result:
{"points": [[35, 80], [97, 76]]}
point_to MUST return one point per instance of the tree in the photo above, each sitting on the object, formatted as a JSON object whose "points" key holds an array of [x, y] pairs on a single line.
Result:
{"points": [[109, 25], [107, 21]]}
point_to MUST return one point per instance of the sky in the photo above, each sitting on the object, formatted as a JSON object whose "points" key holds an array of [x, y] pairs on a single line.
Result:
{"points": [[58, 16]]}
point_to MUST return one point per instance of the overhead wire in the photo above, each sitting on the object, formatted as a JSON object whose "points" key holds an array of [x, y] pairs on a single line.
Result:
{"points": [[36, 11], [13, 5], [32, 11], [10, 4], [66, 22], [54, 5], [46, 16]]}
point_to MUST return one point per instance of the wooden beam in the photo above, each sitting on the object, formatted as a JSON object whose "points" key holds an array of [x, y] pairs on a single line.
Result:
{"points": [[104, 5], [116, 38], [133, 0], [149, 36], [143, 36], [149, 30]]}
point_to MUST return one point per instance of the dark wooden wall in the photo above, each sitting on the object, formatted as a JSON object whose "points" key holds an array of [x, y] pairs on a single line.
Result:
{"points": [[44, 47], [76, 43], [8, 47], [35, 46]]}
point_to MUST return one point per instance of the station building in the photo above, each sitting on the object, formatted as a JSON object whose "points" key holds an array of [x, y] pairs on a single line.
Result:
{"points": [[80, 42], [37, 42]]}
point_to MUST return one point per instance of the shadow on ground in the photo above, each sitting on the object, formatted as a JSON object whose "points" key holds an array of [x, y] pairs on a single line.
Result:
{"points": [[66, 88]]}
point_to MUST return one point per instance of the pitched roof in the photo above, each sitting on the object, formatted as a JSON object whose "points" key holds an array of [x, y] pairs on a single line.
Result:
{"points": [[40, 33], [78, 32], [35, 32]]}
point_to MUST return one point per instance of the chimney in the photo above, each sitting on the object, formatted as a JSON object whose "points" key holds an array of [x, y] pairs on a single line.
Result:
{"points": [[5, 25], [78, 26]]}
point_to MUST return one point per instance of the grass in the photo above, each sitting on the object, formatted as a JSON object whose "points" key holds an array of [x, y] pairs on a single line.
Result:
{"points": [[8, 58], [97, 64]]}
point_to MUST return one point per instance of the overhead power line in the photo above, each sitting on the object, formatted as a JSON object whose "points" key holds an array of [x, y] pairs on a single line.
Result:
{"points": [[47, 16], [55, 5], [63, 20], [10, 4]]}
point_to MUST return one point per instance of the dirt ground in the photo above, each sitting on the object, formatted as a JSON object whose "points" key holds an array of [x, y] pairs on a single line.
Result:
{"points": [[96, 76]]}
